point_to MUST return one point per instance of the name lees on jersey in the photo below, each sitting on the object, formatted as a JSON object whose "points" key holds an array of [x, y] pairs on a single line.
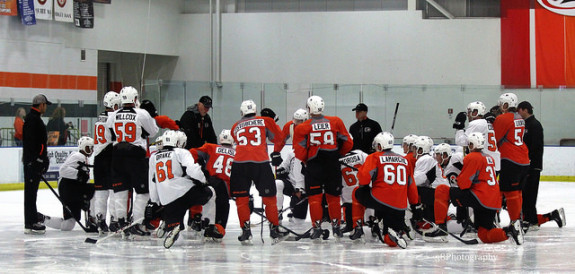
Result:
{"points": [[226, 151], [250, 123], [126, 116], [392, 159], [321, 126], [519, 123]]}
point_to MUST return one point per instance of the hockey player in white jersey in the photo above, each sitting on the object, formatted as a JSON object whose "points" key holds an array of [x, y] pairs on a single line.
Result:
{"points": [[475, 112], [177, 183], [427, 175], [103, 164], [350, 164], [290, 181], [75, 192], [131, 127]]}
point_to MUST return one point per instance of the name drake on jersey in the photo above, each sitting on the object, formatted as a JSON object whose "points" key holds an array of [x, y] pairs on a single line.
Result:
{"points": [[126, 116], [226, 151], [392, 159], [163, 154], [249, 123], [321, 126]]}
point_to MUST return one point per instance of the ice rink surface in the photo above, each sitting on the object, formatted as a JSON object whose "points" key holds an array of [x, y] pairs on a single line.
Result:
{"points": [[548, 250]]}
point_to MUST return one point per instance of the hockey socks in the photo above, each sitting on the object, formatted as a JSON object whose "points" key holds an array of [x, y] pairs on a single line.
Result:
{"points": [[271, 209], [441, 203], [334, 206], [243, 207], [514, 203], [493, 235], [315, 208]]}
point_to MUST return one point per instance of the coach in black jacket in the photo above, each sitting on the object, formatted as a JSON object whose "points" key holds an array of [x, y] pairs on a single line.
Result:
{"points": [[197, 124], [364, 130], [36, 162]]}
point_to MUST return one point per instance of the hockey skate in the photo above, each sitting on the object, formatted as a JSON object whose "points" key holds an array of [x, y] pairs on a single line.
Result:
{"points": [[215, 233], [439, 235], [102, 226], [357, 234], [246, 237], [114, 225], [36, 228], [277, 235], [121, 225], [172, 237], [515, 231], [394, 237], [558, 215], [139, 230], [195, 226], [336, 230], [316, 233]]}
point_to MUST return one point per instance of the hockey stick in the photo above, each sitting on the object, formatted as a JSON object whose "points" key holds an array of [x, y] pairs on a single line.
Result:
{"points": [[394, 116], [95, 241], [66, 207], [467, 242], [352, 168], [307, 234], [285, 209]]}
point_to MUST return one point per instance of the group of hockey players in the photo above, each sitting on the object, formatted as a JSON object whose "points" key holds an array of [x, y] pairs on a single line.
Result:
{"points": [[145, 188]]}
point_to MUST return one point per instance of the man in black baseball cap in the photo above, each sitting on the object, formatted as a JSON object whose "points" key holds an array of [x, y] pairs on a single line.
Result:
{"points": [[360, 107], [206, 101], [197, 124], [364, 130], [35, 160]]}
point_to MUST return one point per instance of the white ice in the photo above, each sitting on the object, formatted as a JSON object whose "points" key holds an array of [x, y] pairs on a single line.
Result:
{"points": [[548, 250]]}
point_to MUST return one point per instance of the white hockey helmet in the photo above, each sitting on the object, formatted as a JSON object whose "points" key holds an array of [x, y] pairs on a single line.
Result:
{"points": [[226, 137], [247, 107], [182, 139], [300, 114], [443, 148], [170, 138], [409, 139], [86, 144], [477, 139], [315, 105], [383, 141], [159, 143], [479, 106], [129, 95], [509, 98], [112, 99], [422, 143]]}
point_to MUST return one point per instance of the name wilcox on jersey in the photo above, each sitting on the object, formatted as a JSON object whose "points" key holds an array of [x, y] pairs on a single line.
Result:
{"points": [[392, 159], [226, 151], [321, 126], [519, 123], [126, 116], [249, 123]]}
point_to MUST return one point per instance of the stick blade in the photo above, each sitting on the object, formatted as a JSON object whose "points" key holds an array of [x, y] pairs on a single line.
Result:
{"points": [[91, 241]]}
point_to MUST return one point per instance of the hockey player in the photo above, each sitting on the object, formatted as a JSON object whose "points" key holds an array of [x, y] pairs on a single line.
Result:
{"points": [[131, 126], [392, 188], [299, 116], [73, 186], [218, 161], [477, 188], [350, 164], [290, 182], [409, 148], [177, 182], [509, 129], [427, 175], [251, 163], [475, 113], [103, 164], [319, 142]]}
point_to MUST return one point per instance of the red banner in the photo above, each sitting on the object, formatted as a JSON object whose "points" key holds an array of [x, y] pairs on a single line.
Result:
{"points": [[549, 47], [9, 7], [515, 58]]}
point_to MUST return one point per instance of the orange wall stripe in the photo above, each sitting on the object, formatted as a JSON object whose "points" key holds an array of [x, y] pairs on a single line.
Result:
{"points": [[550, 47], [47, 81], [570, 51]]}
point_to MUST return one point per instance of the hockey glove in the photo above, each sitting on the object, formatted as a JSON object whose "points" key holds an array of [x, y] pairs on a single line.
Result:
{"points": [[149, 107], [490, 117], [151, 210], [276, 158], [460, 120], [281, 173], [417, 212]]}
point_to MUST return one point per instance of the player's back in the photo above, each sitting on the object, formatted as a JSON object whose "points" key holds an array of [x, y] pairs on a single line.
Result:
{"points": [[219, 160], [250, 135], [170, 178], [509, 130], [321, 133], [132, 125], [391, 173], [102, 136], [479, 175]]}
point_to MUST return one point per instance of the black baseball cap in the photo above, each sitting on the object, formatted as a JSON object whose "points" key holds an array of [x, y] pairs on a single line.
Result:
{"points": [[40, 99], [525, 105], [206, 100], [360, 107]]}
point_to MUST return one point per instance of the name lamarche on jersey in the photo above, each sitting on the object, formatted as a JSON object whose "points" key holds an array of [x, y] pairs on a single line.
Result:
{"points": [[392, 159], [249, 123], [226, 151], [321, 126], [126, 116]]}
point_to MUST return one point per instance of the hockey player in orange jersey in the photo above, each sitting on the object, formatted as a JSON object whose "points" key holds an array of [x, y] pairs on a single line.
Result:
{"points": [[319, 142]]}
